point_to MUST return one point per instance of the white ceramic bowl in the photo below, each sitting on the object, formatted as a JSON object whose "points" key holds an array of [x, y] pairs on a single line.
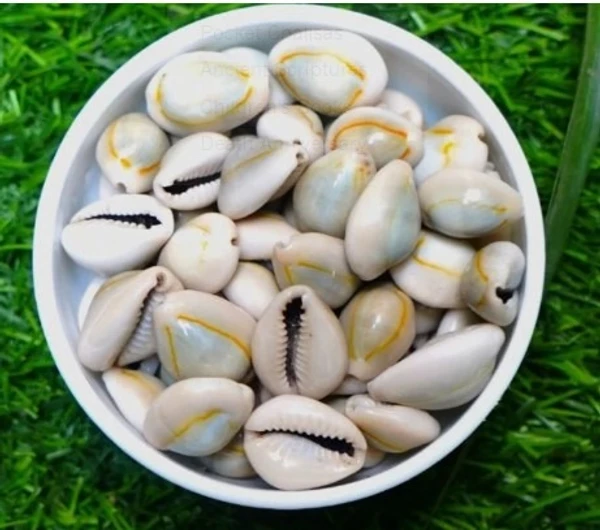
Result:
{"points": [[435, 81]]}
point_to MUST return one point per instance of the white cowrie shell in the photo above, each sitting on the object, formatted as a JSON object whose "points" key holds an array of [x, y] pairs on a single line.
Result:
{"points": [[329, 71], [297, 443], [133, 392], [427, 319], [129, 152], [278, 96], [454, 142], [298, 346], [318, 261], [252, 288], [117, 234], [258, 234], [350, 386], [203, 335], [432, 273], [457, 319], [447, 372], [489, 284], [294, 124], [118, 325], [326, 192], [384, 224], [205, 91], [198, 416], [467, 203], [379, 324], [384, 133], [231, 461], [203, 253], [402, 105], [391, 428], [254, 171], [189, 177]]}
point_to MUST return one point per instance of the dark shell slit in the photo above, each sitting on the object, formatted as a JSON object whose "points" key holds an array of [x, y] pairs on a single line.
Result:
{"points": [[181, 186], [143, 219], [337, 445]]}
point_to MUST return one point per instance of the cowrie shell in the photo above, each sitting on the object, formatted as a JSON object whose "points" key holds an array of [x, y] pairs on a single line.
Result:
{"points": [[379, 324], [298, 346], [118, 327], [123, 232], [278, 164], [318, 261], [130, 150], [490, 282], [297, 443], [189, 178], [447, 372], [391, 428], [465, 203], [198, 416], [385, 134], [205, 91], [326, 192], [133, 392], [431, 274], [329, 71], [453, 142], [294, 124], [402, 105], [252, 288], [203, 335], [384, 224], [203, 253]]}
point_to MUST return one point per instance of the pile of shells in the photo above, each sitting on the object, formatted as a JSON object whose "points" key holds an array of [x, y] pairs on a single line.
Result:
{"points": [[297, 274]]}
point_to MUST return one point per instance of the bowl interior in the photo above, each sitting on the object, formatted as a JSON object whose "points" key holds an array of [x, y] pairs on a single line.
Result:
{"points": [[83, 183]]}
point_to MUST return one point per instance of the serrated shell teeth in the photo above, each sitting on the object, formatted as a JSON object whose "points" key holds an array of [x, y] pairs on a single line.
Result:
{"points": [[190, 174], [118, 327], [298, 346], [116, 234], [295, 443]]}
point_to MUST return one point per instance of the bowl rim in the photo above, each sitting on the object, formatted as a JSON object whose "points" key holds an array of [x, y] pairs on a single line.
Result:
{"points": [[45, 241]]}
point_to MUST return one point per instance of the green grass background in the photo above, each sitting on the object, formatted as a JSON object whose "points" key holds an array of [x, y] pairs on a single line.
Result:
{"points": [[534, 464]]}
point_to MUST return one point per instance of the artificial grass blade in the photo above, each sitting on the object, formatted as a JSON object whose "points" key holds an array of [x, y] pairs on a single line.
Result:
{"points": [[578, 148]]}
